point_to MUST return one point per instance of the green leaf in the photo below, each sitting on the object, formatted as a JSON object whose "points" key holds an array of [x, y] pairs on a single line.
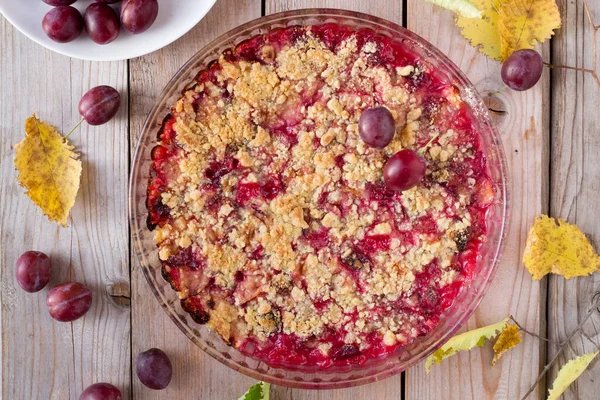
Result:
{"points": [[465, 341], [569, 373], [258, 391], [464, 8]]}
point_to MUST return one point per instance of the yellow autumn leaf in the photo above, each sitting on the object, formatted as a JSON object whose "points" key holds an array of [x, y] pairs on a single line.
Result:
{"points": [[49, 169], [483, 33], [464, 8], [509, 25], [569, 373], [524, 23], [464, 342], [554, 246], [509, 338]]}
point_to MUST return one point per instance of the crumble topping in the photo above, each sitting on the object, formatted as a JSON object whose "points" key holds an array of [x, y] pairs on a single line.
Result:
{"points": [[271, 216]]}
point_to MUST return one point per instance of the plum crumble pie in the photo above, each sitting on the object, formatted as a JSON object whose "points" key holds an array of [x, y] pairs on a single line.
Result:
{"points": [[271, 214]]}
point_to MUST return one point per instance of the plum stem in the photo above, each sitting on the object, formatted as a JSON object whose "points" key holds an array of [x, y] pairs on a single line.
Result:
{"points": [[75, 127], [423, 149]]}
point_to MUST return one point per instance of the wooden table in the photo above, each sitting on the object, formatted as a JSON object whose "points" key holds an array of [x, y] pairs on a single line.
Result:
{"points": [[552, 143]]}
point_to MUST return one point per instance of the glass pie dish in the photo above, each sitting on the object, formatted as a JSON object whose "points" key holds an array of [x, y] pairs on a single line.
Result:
{"points": [[377, 368]]}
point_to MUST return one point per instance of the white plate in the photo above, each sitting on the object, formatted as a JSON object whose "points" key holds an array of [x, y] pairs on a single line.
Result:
{"points": [[175, 18]]}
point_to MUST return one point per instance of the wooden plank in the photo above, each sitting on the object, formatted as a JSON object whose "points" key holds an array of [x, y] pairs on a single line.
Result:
{"points": [[390, 388], [575, 186], [525, 135], [195, 374], [42, 358]]}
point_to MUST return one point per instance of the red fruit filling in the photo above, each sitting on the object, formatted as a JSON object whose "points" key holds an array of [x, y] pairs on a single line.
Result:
{"points": [[272, 218]]}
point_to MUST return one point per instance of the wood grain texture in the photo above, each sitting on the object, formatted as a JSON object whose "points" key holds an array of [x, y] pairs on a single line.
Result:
{"points": [[390, 388], [524, 130], [43, 358], [195, 375], [575, 186]]}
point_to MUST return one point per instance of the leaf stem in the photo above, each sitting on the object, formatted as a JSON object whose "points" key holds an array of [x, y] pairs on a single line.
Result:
{"points": [[75, 127], [569, 67], [586, 70], [531, 333], [594, 307], [589, 15]]}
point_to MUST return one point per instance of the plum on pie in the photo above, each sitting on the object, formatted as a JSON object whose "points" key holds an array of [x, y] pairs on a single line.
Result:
{"points": [[271, 214]]}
